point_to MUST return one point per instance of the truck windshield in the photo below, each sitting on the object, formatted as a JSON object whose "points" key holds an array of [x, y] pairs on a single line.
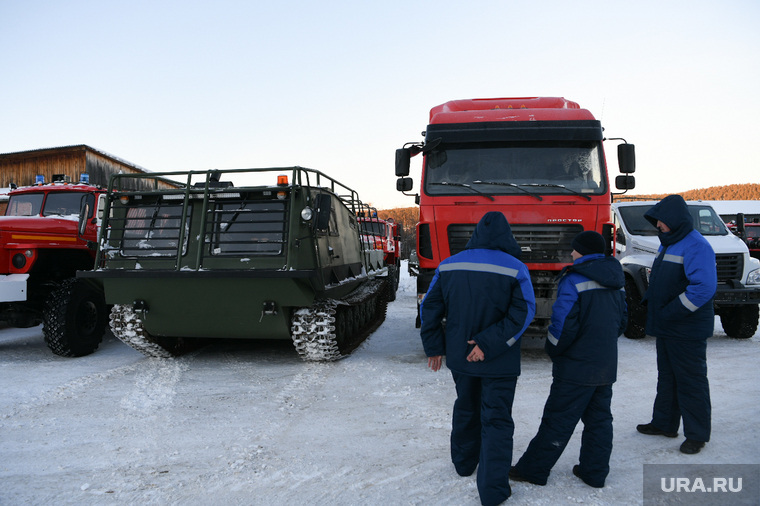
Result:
{"points": [[28, 204], [706, 220], [516, 168], [372, 227], [62, 203]]}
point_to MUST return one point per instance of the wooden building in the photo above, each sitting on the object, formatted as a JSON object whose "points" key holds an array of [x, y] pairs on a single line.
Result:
{"points": [[23, 167]]}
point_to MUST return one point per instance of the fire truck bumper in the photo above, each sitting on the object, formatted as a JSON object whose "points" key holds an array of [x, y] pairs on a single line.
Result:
{"points": [[13, 287]]}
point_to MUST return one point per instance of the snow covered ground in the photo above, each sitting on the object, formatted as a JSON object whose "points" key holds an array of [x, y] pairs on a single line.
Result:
{"points": [[249, 423]]}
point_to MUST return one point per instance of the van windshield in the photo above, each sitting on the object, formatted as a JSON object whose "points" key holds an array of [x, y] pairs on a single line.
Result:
{"points": [[706, 220]]}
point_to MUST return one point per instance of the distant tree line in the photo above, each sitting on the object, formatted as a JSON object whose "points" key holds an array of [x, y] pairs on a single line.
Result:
{"points": [[749, 191], [409, 216]]}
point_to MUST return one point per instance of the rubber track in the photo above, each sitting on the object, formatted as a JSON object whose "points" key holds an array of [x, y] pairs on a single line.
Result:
{"points": [[332, 329], [127, 326], [313, 329]]}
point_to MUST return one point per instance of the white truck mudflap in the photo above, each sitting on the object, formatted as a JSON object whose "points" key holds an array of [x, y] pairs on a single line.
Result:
{"points": [[13, 287]]}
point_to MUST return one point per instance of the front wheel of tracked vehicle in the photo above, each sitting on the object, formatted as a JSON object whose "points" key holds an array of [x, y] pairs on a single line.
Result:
{"points": [[74, 319]]}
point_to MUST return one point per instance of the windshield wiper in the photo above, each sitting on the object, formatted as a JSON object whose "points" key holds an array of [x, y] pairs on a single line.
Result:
{"points": [[560, 186], [513, 185], [444, 183]]}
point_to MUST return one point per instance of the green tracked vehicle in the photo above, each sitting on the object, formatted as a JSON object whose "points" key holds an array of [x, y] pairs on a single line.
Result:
{"points": [[283, 259]]}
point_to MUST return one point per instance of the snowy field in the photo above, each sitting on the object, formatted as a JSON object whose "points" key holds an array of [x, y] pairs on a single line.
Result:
{"points": [[249, 423]]}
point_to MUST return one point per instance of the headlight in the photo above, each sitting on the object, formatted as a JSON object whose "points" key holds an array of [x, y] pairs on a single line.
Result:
{"points": [[19, 260], [307, 214], [753, 278]]}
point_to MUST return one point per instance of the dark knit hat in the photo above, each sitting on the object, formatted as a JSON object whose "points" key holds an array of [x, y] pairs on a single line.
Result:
{"points": [[588, 242]]}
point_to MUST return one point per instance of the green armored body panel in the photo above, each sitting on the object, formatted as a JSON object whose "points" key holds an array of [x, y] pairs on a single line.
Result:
{"points": [[279, 260]]}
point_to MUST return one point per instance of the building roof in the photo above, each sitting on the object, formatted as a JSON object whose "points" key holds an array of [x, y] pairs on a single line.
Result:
{"points": [[42, 152]]}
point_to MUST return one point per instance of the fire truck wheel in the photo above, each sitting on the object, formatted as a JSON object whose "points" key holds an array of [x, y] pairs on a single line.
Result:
{"points": [[739, 322], [74, 319], [637, 314]]}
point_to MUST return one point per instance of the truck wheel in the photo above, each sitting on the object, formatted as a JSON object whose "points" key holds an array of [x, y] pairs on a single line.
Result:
{"points": [[637, 314], [74, 319], [393, 277], [739, 322]]}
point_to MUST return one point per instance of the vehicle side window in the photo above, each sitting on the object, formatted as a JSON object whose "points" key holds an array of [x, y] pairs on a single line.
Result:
{"points": [[153, 230], [252, 227], [619, 234]]}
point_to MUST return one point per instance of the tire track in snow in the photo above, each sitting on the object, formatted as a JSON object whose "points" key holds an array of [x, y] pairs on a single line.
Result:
{"points": [[70, 390], [302, 390], [155, 385]]}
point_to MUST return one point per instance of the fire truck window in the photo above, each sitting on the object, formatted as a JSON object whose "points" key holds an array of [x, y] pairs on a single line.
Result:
{"points": [[63, 204], [25, 205]]}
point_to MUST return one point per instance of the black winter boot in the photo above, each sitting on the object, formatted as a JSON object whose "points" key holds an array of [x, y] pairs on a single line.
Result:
{"points": [[690, 446], [651, 430]]}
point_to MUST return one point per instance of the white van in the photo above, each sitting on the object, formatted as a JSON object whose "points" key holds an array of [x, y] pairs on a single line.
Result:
{"points": [[636, 245]]}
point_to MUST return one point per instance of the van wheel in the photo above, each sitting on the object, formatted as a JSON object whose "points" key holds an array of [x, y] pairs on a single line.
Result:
{"points": [[637, 314], [739, 322]]}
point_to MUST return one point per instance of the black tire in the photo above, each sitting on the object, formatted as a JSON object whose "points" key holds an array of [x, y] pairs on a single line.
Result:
{"points": [[74, 319], [740, 322], [393, 277], [637, 314]]}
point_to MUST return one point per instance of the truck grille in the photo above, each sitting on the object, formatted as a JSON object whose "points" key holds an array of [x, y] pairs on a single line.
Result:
{"points": [[729, 266], [539, 243]]}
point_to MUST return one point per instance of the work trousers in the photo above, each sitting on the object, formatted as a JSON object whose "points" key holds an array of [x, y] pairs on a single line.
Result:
{"points": [[683, 390], [569, 403], [481, 433]]}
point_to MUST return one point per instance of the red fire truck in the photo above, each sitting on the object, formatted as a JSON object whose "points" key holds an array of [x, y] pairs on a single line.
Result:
{"points": [[50, 231], [749, 232], [386, 236], [538, 160]]}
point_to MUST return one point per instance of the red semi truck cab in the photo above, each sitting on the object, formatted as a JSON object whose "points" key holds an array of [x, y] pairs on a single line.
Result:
{"points": [[538, 160], [49, 232]]}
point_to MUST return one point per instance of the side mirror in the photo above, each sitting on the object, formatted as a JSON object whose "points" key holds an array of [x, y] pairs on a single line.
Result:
{"points": [[626, 159], [404, 184], [323, 203], [740, 228], [625, 182], [84, 212], [403, 161]]}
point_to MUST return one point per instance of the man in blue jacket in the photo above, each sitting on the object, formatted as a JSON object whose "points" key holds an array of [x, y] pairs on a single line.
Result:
{"points": [[680, 315], [486, 297], [587, 318]]}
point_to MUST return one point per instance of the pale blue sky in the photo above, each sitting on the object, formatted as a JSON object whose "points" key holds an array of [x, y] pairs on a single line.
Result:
{"points": [[338, 86]]}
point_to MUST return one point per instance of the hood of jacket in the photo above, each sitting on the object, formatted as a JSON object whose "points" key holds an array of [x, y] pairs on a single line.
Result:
{"points": [[605, 270], [493, 232], [672, 211]]}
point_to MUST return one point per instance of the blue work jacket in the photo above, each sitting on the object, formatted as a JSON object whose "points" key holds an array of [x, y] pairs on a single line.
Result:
{"points": [[684, 276], [587, 318], [485, 295]]}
